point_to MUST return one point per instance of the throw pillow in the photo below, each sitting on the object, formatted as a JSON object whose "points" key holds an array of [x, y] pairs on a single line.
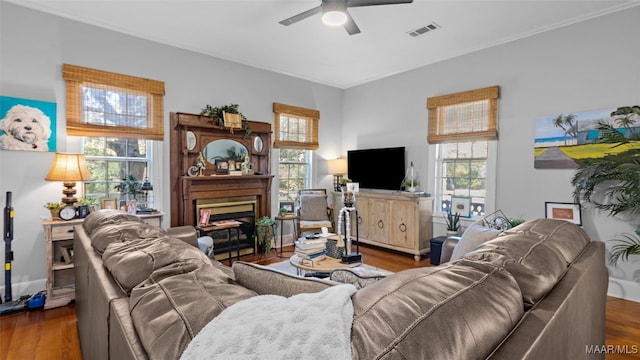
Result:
{"points": [[313, 207], [475, 235]]}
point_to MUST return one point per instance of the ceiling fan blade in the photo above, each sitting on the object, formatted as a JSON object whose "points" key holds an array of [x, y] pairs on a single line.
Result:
{"points": [[350, 25], [355, 3], [303, 15]]}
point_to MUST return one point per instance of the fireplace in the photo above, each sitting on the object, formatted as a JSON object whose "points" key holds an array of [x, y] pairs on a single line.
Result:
{"points": [[241, 209]]}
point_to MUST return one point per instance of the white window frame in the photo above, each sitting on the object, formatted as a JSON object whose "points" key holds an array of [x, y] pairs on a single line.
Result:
{"points": [[307, 175], [490, 182]]}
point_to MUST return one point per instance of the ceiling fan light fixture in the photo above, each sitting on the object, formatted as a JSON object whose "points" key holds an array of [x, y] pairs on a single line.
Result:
{"points": [[334, 18]]}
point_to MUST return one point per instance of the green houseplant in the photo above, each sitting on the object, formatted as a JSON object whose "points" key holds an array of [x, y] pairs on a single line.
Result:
{"points": [[129, 187], [264, 233], [54, 209], [610, 183], [215, 113], [453, 222]]}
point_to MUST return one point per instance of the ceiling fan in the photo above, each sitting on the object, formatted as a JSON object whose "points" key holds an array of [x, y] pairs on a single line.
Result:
{"points": [[335, 13]]}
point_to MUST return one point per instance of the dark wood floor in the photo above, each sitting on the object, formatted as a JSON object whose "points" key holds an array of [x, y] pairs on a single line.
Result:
{"points": [[52, 334]]}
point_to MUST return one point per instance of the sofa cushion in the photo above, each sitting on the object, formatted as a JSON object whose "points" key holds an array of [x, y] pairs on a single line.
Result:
{"points": [[131, 262], [176, 302], [358, 276], [452, 311], [565, 237], [313, 207], [537, 254], [106, 216], [265, 280], [473, 236], [123, 231]]}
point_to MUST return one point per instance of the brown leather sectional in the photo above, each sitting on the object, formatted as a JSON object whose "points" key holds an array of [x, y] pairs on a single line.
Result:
{"points": [[537, 291]]}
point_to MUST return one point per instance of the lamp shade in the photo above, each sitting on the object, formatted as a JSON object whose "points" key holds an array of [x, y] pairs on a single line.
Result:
{"points": [[337, 166], [68, 168]]}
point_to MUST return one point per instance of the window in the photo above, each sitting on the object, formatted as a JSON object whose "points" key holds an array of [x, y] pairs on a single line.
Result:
{"points": [[462, 172], [116, 116], [296, 134], [112, 159], [293, 173], [462, 126]]}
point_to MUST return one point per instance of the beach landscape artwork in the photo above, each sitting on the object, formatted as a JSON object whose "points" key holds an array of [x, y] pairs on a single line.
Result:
{"points": [[563, 139]]}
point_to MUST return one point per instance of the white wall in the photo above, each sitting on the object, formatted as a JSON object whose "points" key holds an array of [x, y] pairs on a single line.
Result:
{"points": [[31, 59], [587, 66]]}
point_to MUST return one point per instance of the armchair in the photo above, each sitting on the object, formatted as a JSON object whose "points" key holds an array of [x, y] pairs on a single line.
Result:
{"points": [[313, 211]]}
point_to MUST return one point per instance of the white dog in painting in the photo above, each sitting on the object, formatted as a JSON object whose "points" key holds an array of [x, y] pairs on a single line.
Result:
{"points": [[25, 128]]}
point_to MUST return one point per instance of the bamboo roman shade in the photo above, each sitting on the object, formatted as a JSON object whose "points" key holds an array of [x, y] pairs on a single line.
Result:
{"points": [[295, 127], [137, 113], [463, 116]]}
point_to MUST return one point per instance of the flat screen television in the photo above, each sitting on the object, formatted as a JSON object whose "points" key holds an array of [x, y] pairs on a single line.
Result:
{"points": [[381, 168]]}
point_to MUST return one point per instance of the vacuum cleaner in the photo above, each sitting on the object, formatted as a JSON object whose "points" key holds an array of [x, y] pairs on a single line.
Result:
{"points": [[25, 302]]}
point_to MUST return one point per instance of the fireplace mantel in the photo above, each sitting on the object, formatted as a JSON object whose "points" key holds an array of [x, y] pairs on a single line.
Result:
{"points": [[186, 190]]}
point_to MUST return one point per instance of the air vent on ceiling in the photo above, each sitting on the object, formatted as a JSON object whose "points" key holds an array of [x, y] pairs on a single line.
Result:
{"points": [[423, 29]]}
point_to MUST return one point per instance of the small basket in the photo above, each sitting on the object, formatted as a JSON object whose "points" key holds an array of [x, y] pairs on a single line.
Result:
{"points": [[333, 250]]}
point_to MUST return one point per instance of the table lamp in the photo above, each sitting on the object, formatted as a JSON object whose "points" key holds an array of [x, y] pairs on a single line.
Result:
{"points": [[68, 168], [337, 168]]}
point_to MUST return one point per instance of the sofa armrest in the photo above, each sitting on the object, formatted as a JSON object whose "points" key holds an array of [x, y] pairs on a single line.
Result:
{"points": [[447, 248], [185, 233], [268, 281]]}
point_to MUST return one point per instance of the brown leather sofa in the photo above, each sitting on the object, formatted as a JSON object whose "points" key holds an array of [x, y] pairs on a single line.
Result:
{"points": [[538, 291]]}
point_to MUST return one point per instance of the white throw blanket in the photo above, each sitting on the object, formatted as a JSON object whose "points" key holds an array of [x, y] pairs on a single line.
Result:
{"points": [[304, 326]]}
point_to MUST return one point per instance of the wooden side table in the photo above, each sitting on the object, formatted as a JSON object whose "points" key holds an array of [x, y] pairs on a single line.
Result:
{"points": [[61, 282], [294, 219], [228, 226]]}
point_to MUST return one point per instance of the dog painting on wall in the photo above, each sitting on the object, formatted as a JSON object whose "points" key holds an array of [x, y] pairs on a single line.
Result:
{"points": [[25, 126]]}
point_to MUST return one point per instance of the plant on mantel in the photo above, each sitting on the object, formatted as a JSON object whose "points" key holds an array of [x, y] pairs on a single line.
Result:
{"points": [[216, 116], [612, 183]]}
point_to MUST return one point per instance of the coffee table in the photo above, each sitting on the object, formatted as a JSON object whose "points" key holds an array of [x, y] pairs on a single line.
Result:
{"points": [[325, 265]]}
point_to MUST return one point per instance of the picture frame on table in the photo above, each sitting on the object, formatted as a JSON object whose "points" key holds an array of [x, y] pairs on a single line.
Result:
{"points": [[461, 205], [222, 165], [571, 212], [204, 217], [67, 253], [288, 205], [108, 204], [354, 187]]}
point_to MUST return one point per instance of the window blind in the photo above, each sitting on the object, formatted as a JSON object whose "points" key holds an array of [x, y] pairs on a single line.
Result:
{"points": [[295, 127], [464, 116], [101, 103]]}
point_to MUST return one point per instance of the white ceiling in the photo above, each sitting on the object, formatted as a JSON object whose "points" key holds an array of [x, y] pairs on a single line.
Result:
{"points": [[247, 31]]}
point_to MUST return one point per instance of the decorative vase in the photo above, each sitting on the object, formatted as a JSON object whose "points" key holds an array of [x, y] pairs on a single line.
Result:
{"points": [[452, 233]]}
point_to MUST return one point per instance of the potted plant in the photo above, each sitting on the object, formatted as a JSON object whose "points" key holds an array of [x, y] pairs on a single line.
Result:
{"points": [[54, 209], [343, 183], [610, 183], [217, 118], [410, 185], [129, 187], [264, 231], [453, 223]]}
